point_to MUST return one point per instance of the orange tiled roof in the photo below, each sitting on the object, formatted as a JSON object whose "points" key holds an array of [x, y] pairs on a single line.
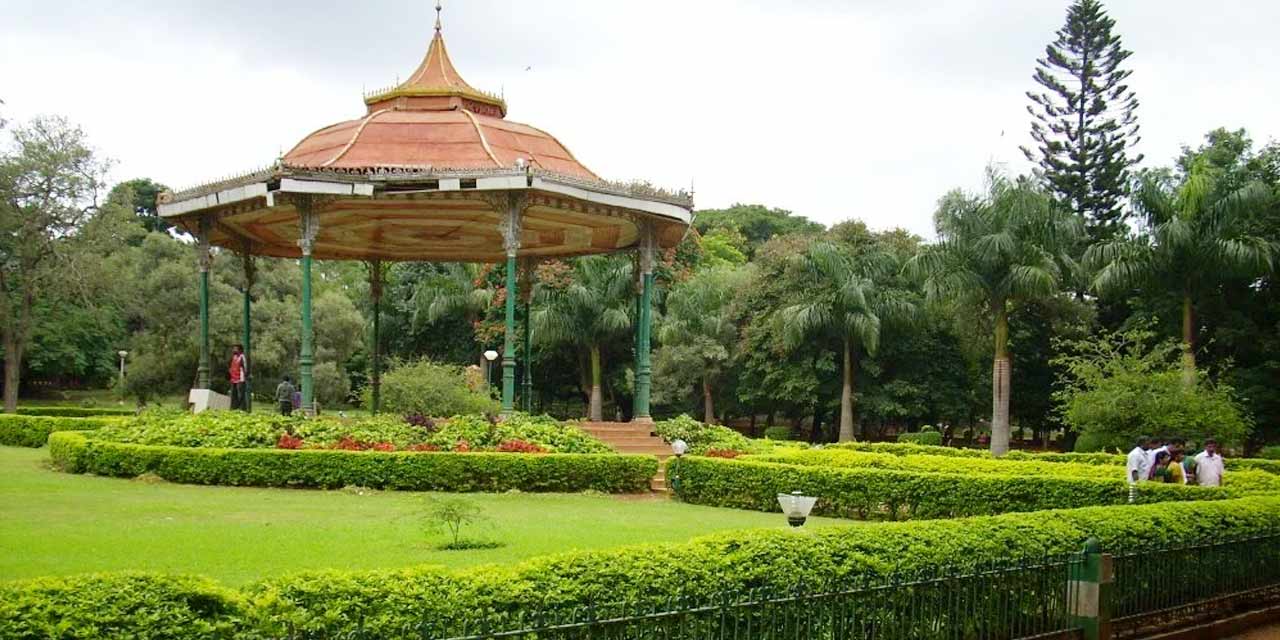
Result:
{"points": [[434, 119]]}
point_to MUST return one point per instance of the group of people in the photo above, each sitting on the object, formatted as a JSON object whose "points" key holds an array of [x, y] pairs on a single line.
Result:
{"points": [[1156, 460], [287, 396]]}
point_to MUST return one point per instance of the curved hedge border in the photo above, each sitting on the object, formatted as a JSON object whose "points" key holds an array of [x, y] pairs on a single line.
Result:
{"points": [[331, 469], [883, 493], [33, 431], [333, 603], [75, 412]]}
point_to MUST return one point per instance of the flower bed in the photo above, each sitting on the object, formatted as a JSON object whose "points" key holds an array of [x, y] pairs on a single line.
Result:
{"points": [[33, 431], [891, 494], [391, 603], [332, 468]]}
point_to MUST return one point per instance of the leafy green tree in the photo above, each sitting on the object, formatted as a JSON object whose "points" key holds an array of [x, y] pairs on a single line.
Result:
{"points": [[757, 223], [720, 249], [143, 194], [843, 302], [49, 179], [459, 291], [588, 310], [1193, 240], [698, 332], [1120, 386], [994, 250], [1084, 123]]}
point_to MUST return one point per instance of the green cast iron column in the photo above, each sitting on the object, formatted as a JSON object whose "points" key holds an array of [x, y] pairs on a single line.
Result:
{"points": [[205, 260], [247, 329], [509, 345], [202, 372], [306, 359], [635, 351], [644, 372], [375, 292]]}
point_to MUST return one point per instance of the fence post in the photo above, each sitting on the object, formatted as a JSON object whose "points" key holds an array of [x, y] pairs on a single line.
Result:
{"points": [[1091, 585]]}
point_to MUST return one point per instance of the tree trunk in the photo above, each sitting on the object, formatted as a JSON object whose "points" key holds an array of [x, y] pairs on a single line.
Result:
{"points": [[12, 370], [1188, 342], [1001, 370], [846, 396], [596, 410], [708, 404]]}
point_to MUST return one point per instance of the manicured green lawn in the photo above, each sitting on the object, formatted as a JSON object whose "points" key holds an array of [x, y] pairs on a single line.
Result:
{"points": [[54, 523]]}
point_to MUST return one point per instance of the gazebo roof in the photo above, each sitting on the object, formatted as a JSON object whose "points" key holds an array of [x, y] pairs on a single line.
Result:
{"points": [[417, 178]]}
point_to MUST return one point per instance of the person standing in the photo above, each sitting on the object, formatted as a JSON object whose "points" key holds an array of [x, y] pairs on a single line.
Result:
{"points": [[238, 372], [284, 396], [1209, 465], [1138, 463], [1177, 473]]}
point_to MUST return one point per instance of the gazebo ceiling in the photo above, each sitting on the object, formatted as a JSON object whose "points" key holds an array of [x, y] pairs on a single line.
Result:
{"points": [[425, 175]]}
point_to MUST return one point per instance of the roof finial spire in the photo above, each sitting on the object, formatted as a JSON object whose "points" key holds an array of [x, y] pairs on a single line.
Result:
{"points": [[438, 8]]}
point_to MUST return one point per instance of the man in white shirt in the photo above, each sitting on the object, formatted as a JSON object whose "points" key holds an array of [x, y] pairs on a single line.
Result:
{"points": [[1138, 464], [1209, 465]]}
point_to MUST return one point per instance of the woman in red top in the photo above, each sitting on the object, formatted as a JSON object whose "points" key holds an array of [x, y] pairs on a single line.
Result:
{"points": [[238, 372]]}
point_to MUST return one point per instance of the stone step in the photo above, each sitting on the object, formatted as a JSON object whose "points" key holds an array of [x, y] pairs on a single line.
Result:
{"points": [[635, 439]]}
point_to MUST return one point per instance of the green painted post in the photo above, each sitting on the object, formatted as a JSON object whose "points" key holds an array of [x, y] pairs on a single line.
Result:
{"points": [[246, 339], [509, 344], [375, 292], [1091, 588], [643, 369], [307, 358], [202, 371], [635, 351]]}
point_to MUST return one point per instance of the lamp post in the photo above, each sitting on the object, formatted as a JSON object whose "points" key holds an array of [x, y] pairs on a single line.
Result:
{"points": [[678, 447], [489, 357], [122, 353], [796, 506]]}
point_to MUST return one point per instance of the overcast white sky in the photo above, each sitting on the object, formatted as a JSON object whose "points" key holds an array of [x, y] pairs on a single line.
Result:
{"points": [[833, 109]]}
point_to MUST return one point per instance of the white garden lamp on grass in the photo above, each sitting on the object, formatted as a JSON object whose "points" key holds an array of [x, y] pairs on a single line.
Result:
{"points": [[796, 507]]}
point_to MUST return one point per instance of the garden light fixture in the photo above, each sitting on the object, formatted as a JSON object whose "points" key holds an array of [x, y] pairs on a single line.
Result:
{"points": [[796, 507], [679, 447], [491, 355]]}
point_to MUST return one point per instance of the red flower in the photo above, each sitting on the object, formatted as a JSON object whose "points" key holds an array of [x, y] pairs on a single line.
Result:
{"points": [[520, 446], [349, 444], [424, 447], [288, 441], [462, 446], [383, 446]]}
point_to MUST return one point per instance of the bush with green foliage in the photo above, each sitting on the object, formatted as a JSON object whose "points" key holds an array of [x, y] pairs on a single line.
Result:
{"points": [[75, 412], [1119, 388], [138, 606], [701, 436], [931, 438], [390, 603], [777, 433], [17, 430], [910, 448], [430, 389], [1271, 452], [1243, 480], [331, 469], [889, 494]]}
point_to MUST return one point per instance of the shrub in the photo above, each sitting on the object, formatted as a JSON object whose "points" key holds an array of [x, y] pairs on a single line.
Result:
{"points": [[123, 605], [332, 385], [777, 433], [1270, 453], [430, 389], [931, 438], [882, 493], [74, 412], [701, 436], [33, 431], [910, 448], [332, 469]]}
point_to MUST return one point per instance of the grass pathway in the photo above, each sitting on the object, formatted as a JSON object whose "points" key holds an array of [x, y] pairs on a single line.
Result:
{"points": [[54, 523]]}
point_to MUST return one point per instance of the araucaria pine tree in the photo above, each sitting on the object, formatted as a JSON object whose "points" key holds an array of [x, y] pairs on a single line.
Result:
{"points": [[1083, 121]]}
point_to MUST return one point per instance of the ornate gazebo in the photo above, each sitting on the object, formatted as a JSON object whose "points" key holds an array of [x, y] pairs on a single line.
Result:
{"points": [[432, 172]]}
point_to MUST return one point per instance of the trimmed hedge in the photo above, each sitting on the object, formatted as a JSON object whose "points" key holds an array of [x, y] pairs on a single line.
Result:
{"points": [[390, 602], [329, 469], [882, 493], [1246, 480], [75, 412], [33, 431], [138, 606], [930, 438]]}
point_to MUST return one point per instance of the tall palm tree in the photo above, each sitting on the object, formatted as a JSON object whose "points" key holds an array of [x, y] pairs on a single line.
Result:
{"points": [[590, 310], [1191, 241], [700, 322], [844, 301], [457, 291], [993, 250]]}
